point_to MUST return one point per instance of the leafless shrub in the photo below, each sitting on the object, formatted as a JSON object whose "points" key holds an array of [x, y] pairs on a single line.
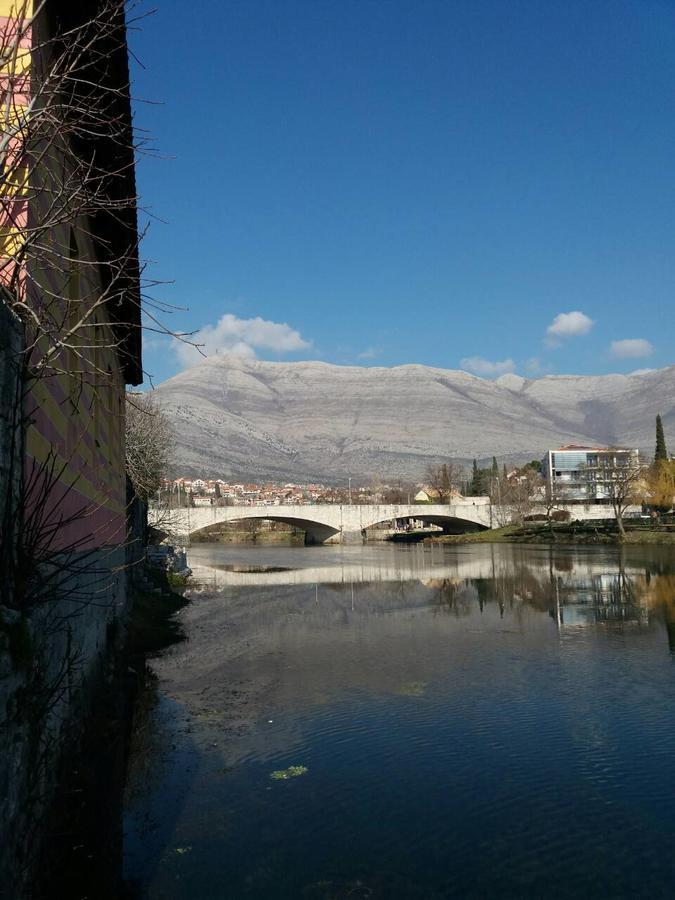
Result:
{"points": [[444, 480], [149, 444], [622, 480]]}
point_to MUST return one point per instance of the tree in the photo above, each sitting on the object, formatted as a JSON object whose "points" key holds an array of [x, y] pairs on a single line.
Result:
{"points": [[514, 500], [554, 502], [480, 480], [660, 485], [444, 479], [217, 491], [660, 452], [149, 443], [621, 480], [398, 494], [495, 468]]}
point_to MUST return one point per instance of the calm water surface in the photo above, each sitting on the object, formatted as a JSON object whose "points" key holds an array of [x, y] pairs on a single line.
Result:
{"points": [[474, 721]]}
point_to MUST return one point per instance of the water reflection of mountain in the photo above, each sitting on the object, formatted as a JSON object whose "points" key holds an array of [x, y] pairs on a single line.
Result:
{"points": [[576, 587], [390, 621]]}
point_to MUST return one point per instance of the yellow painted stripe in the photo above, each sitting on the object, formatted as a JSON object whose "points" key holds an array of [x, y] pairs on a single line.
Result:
{"points": [[13, 8]]}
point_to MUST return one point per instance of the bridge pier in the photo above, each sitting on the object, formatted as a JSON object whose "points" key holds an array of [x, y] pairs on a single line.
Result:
{"points": [[319, 534], [346, 537]]}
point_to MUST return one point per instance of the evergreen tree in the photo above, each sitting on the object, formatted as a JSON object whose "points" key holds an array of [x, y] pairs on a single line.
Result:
{"points": [[495, 468], [660, 452], [218, 494], [474, 478], [504, 473], [445, 486]]}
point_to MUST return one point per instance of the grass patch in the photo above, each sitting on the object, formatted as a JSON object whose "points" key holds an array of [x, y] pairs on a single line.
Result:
{"points": [[560, 533], [176, 581], [496, 535], [650, 537]]}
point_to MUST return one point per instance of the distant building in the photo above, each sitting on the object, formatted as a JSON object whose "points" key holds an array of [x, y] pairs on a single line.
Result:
{"points": [[579, 474]]}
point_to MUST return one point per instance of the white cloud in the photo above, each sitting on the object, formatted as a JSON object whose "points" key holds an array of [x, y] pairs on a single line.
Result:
{"points": [[486, 367], [570, 324], [232, 336], [631, 348], [370, 353], [534, 366]]}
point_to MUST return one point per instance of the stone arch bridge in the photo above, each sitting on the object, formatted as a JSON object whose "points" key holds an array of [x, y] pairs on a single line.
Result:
{"points": [[327, 522]]}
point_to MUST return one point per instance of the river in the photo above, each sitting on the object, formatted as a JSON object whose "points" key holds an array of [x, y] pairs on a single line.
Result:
{"points": [[410, 722]]}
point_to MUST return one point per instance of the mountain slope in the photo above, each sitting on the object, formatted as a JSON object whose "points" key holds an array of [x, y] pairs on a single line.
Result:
{"points": [[313, 421]]}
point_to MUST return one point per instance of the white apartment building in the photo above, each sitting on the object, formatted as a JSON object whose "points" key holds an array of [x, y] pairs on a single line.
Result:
{"points": [[582, 474]]}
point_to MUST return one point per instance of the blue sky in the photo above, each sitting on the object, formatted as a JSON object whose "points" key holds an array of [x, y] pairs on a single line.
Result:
{"points": [[381, 183]]}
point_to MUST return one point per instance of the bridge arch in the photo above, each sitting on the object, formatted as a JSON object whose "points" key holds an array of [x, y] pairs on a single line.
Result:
{"points": [[315, 532], [449, 523]]}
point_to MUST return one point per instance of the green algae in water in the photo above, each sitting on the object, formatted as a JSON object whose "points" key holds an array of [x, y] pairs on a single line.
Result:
{"points": [[412, 688], [290, 772]]}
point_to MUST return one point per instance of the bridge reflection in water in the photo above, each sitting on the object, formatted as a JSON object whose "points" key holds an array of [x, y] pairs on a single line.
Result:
{"points": [[453, 710], [577, 588]]}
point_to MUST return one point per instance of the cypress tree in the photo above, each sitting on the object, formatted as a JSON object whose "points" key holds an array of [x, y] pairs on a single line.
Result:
{"points": [[444, 488], [495, 467], [474, 478], [660, 452], [504, 473]]}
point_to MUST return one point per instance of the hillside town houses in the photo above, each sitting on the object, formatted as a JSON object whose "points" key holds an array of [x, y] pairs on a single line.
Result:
{"points": [[572, 473], [207, 492]]}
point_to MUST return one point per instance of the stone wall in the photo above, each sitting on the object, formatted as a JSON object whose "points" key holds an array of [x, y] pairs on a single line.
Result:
{"points": [[53, 660]]}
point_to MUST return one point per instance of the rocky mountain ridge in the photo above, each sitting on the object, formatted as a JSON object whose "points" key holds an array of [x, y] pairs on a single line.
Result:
{"points": [[305, 421]]}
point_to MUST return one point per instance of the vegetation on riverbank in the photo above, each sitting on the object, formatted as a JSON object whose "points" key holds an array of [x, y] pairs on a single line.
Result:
{"points": [[567, 533], [152, 625], [290, 538]]}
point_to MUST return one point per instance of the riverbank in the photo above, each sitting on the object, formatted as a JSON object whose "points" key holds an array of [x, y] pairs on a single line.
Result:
{"points": [[289, 538], [82, 856], [567, 533]]}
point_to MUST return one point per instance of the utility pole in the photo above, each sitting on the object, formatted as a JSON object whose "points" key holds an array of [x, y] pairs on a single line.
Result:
{"points": [[350, 491]]}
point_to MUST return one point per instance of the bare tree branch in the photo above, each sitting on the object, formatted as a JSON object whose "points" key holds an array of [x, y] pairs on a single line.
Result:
{"points": [[149, 444]]}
